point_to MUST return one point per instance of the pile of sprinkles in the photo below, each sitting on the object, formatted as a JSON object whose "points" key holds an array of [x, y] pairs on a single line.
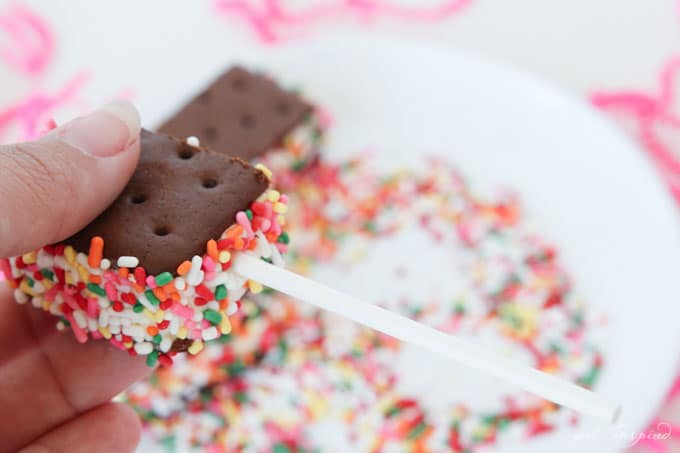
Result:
{"points": [[324, 384], [152, 315]]}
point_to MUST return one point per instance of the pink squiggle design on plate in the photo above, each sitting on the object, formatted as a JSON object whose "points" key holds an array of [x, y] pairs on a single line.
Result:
{"points": [[651, 113], [268, 20], [32, 113], [31, 43]]}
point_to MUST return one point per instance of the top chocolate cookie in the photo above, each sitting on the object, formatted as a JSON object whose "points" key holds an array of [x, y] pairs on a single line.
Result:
{"points": [[240, 114], [179, 197]]}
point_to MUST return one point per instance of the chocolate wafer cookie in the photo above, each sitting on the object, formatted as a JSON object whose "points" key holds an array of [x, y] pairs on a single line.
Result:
{"points": [[152, 274], [248, 115]]}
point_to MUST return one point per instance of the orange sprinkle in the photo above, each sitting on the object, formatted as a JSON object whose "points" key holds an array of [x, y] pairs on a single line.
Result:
{"points": [[94, 259], [124, 272], [234, 231], [152, 330], [158, 292], [212, 249], [183, 269], [252, 244], [137, 287], [271, 237], [175, 296], [238, 243], [95, 278], [224, 303]]}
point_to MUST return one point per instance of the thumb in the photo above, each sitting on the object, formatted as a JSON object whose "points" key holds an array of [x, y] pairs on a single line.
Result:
{"points": [[52, 187]]}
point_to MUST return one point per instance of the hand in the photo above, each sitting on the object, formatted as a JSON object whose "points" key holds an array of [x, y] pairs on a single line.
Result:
{"points": [[55, 394]]}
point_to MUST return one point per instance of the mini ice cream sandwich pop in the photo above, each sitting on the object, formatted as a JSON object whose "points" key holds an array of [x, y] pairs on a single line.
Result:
{"points": [[168, 262]]}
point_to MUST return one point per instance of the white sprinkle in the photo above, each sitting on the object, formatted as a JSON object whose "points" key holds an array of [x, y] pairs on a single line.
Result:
{"points": [[180, 284], [92, 325], [143, 348], [127, 261], [80, 318], [193, 141], [232, 308], [174, 326], [210, 333], [20, 296], [115, 330], [213, 305], [166, 344], [195, 275], [134, 330], [61, 326], [105, 264]]}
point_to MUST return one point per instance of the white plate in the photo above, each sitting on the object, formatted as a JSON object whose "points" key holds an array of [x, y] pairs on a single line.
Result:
{"points": [[590, 188]]}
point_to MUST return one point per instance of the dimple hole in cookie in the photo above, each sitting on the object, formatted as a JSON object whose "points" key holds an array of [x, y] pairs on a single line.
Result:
{"points": [[161, 231], [138, 199], [185, 153], [210, 133], [247, 121], [209, 183]]}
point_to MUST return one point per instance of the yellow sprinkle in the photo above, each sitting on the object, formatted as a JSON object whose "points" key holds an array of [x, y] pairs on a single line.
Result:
{"points": [[82, 272], [127, 344], [70, 254], [47, 284], [281, 220], [69, 278], [254, 287], [148, 315], [273, 195], [45, 305], [224, 256], [267, 172], [106, 333], [25, 288], [182, 333], [195, 347], [225, 325], [158, 316], [30, 258], [280, 208]]}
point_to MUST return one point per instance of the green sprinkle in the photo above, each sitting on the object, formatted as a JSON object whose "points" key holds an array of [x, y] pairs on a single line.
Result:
{"points": [[241, 397], [417, 431], [235, 368], [157, 338], [503, 423], [48, 274], [394, 410], [212, 316], [98, 290], [298, 165], [220, 292], [152, 297], [249, 214], [30, 281], [284, 238], [163, 279], [281, 448], [138, 308], [152, 358]]}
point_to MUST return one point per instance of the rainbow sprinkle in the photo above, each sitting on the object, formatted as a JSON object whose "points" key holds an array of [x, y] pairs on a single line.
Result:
{"points": [[151, 315]]}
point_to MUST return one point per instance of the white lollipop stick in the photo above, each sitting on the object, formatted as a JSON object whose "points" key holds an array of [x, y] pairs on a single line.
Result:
{"points": [[532, 380]]}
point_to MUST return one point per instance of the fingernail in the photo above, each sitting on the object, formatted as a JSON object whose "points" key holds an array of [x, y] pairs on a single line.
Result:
{"points": [[104, 132]]}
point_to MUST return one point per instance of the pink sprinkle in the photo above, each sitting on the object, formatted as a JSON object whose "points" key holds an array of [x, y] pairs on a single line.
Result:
{"points": [[151, 282], [265, 225], [117, 344], [52, 293], [242, 219], [182, 310], [110, 290], [96, 335], [208, 264], [93, 308], [283, 198], [79, 333], [70, 301]]}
